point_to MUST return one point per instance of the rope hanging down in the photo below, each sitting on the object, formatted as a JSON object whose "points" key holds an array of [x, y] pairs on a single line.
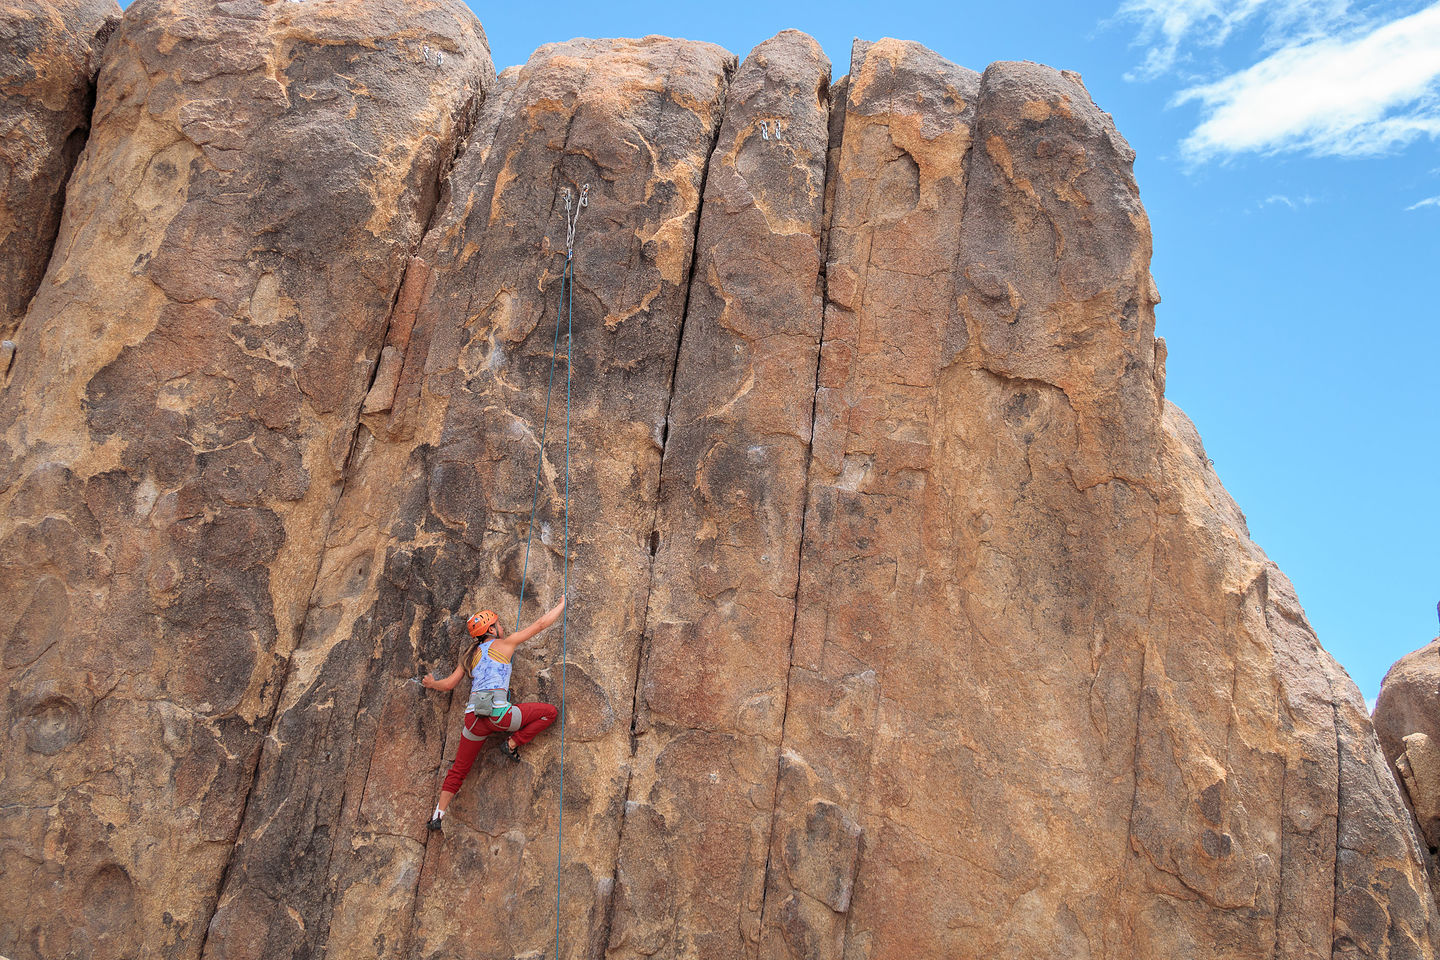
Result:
{"points": [[567, 308]]}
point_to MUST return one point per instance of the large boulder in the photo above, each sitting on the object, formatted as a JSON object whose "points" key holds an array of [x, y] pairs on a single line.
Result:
{"points": [[709, 706], [1045, 697], [907, 617], [176, 428], [434, 522]]}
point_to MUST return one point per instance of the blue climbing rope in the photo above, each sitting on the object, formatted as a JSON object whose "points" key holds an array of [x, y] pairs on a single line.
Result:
{"points": [[540, 459], [567, 298], [565, 579]]}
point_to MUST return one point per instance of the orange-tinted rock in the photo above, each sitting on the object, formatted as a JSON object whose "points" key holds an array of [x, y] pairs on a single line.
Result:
{"points": [[49, 52], [432, 523], [636, 121], [176, 428], [906, 617], [893, 247], [1045, 696], [711, 700], [1285, 737]]}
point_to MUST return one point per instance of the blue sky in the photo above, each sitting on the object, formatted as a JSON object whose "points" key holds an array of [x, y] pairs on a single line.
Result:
{"points": [[1288, 159]]}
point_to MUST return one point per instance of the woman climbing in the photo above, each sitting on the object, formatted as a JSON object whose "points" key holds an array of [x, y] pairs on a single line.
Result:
{"points": [[489, 710]]}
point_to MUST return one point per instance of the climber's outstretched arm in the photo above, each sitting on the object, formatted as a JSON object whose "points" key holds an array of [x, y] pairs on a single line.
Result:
{"points": [[505, 646], [449, 682]]}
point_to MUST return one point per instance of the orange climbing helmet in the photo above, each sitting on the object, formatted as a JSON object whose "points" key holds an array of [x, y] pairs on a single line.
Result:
{"points": [[481, 623]]}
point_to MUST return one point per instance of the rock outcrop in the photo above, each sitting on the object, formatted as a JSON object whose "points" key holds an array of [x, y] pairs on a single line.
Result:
{"points": [[48, 57], [709, 705], [177, 425], [457, 450], [906, 616], [1407, 719]]}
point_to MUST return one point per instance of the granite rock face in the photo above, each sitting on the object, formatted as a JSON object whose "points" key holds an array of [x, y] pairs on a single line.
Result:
{"points": [[906, 617], [175, 430], [49, 52], [710, 702], [458, 450]]}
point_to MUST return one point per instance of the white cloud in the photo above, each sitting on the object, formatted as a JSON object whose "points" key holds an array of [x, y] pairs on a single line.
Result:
{"points": [[1427, 202], [1280, 199], [1368, 92], [1164, 25]]}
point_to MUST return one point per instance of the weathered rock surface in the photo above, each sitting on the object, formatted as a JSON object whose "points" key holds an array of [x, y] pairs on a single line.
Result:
{"points": [[49, 52], [906, 617], [175, 431], [1407, 720], [710, 704], [458, 449]]}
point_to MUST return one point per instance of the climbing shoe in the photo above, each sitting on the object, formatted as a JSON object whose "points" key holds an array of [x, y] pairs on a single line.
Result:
{"points": [[434, 824], [512, 752]]}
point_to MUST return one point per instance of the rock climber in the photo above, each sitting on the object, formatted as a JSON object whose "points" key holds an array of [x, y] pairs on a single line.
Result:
{"points": [[489, 710]]}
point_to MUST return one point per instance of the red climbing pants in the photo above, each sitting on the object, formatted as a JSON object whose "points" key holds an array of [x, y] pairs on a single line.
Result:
{"points": [[534, 717]]}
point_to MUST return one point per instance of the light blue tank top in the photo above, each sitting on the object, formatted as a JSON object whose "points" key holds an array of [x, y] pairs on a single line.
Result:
{"points": [[489, 673]]}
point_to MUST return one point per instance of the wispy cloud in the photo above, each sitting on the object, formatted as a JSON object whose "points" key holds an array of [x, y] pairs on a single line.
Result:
{"points": [[1280, 199], [1166, 25], [1332, 81], [1427, 202]]}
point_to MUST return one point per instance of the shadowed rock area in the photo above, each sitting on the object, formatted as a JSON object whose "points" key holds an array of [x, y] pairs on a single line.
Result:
{"points": [[48, 57], [906, 616]]}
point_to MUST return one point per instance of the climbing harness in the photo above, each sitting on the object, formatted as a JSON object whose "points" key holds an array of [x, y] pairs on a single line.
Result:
{"points": [[505, 716], [567, 308], [491, 703]]}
